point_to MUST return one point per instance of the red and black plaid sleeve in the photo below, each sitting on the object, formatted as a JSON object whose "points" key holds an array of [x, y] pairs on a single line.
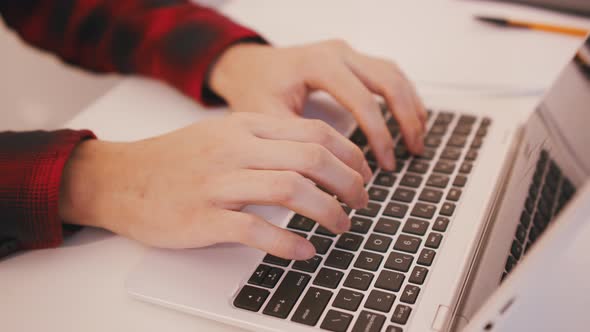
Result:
{"points": [[31, 165], [171, 40]]}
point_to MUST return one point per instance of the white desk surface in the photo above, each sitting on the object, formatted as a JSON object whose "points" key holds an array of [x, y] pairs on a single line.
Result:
{"points": [[79, 286]]}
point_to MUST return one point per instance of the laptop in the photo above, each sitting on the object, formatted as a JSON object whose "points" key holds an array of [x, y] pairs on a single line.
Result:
{"points": [[577, 7], [441, 233]]}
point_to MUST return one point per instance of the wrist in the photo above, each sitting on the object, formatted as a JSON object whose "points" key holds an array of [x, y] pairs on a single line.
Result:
{"points": [[80, 184], [223, 78]]}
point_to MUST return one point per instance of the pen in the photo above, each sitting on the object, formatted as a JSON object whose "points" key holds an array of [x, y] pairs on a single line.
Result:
{"points": [[534, 26]]}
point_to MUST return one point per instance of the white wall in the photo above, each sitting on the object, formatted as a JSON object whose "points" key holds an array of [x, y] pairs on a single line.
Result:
{"points": [[37, 91]]}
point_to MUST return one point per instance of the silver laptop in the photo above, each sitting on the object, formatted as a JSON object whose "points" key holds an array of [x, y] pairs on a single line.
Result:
{"points": [[439, 236]]}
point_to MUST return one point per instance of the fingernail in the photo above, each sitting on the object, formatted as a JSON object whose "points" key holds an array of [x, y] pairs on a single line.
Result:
{"points": [[304, 250], [367, 174], [389, 160]]}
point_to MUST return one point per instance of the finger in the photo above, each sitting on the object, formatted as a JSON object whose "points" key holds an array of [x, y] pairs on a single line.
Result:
{"points": [[284, 188], [384, 78], [348, 90], [256, 232], [314, 162], [314, 131]]}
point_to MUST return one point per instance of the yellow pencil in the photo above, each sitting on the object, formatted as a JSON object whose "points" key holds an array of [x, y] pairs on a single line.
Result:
{"points": [[572, 31]]}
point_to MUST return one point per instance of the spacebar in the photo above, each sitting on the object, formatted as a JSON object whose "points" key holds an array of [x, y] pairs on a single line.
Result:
{"points": [[287, 294]]}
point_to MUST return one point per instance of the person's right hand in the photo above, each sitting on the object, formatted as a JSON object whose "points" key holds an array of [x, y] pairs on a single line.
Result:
{"points": [[186, 189]]}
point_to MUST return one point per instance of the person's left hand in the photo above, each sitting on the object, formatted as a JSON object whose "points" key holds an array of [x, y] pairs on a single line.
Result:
{"points": [[264, 79]]}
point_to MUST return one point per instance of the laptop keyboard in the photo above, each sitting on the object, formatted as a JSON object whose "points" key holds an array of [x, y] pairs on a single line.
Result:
{"points": [[371, 278], [548, 193]]}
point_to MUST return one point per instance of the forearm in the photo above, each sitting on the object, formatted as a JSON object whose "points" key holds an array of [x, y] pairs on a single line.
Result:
{"points": [[174, 41]]}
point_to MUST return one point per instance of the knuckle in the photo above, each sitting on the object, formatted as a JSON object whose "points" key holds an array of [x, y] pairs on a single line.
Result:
{"points": [[315, 158], [288, 187], [321, 131]]}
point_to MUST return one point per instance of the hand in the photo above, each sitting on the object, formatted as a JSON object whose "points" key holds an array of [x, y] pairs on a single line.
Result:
{"points": [[186, 189], [257, 78]]}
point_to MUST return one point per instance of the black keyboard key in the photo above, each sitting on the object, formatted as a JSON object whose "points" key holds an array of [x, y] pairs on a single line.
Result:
{"points": [[378, 243], [419, 167], [447, 209], [358, 279], [324, 231], [368, 261], [401, 152], [427, 154], [378, 194], [360, 225], [486, 122], [393, 328], [510, 263], [404, 195], [339, 259], [368, 322], [370, 156], [387, 226], [454, 194], [438, 129], [390, 280], [418, 275], [287, 294], [520, 234], [407, 243], [534, 234], [438, 181], [432, 141], [477, 143], [411, 180], [336, 321], [301, 223], [465, 168], [399, 262], [451, 154], [401, 314], [312, 306], [431, 195], [441, 224], [348, 299], [395, 210], [328, 278], [481, 132], [462, 129], [384, 179], [270, 259], [251, 298], [445, 167], [380, 301], [272, 277], [471, 155], [321, 244], [457, 141], [516, 249], [309, 265], [416, 226], [444, 118], [460, 181], [426, 257], [259, 275], [349, 241], [371, 210], [359, 138], [433, 240], [423, 210], [372, 166], [410, 294], [467, 120], [525, 219], [346, 209]]}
